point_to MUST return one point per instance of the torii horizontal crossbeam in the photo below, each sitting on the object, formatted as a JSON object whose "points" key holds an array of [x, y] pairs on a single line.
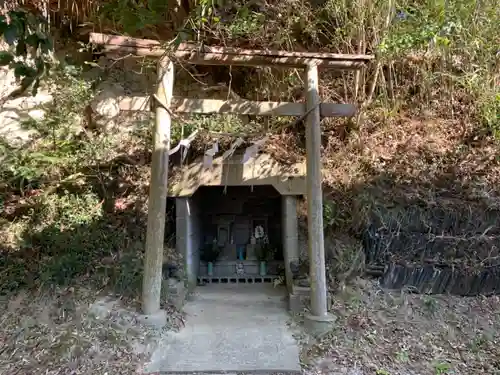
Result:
{"points": [[193, 54], [241, 107]]}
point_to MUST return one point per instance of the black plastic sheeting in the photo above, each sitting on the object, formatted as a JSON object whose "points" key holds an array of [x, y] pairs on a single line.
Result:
{"points": [[427, 263], [442, 280], [383, 246]]}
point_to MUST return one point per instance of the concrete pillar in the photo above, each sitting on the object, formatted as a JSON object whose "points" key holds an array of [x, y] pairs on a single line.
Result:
{"points": [[187, 238], [289, 225]]}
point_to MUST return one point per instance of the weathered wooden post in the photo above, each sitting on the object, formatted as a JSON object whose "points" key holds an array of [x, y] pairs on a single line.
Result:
{"points": [[318, 320], [158, 191]]}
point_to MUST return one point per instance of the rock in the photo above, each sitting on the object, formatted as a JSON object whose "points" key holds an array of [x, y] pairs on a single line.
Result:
{"points": [[29, 102], [37, 114], [7, 81], [16, 111], [106, 107], [106, 103], [11, 128]]}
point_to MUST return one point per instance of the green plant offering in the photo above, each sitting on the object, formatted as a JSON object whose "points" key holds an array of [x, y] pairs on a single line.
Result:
{"points": [[265, 252], [210, 253]]}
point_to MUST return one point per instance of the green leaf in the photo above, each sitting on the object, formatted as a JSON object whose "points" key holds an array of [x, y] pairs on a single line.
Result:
{"points": [[36, 86], [92, 64], [17, 15], [5, 58], [3, 24], [18, 21], [181, 37], [46, 45], [22, 70], [21, 49], [27, 81], [11, 34], [32, 40], [244, 12], [40, 66]]}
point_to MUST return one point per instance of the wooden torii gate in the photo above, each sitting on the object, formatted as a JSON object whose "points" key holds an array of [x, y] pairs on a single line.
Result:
{"points": [[166, 104]]}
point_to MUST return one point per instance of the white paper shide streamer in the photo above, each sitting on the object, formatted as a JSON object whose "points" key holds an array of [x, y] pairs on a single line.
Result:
{"points": [[185, 144], [252, 151], [232, 149], [208, 158]]}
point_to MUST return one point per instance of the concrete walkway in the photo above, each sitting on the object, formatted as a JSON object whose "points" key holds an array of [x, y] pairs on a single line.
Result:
{"points": [[231, 329]]}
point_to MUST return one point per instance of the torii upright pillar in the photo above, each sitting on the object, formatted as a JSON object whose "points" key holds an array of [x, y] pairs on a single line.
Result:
{"points": [[319, 320], [158, 187]]}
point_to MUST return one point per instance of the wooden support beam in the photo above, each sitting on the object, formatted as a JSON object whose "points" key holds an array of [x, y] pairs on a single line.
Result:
{"points": [[202, 58], [199, 58], [192, 54], [242, 107], [317, 272], [125, 41], [158, 191]]}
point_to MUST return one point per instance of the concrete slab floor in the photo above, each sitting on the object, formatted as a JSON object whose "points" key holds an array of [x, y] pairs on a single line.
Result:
{"points": [[231, 328]]}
